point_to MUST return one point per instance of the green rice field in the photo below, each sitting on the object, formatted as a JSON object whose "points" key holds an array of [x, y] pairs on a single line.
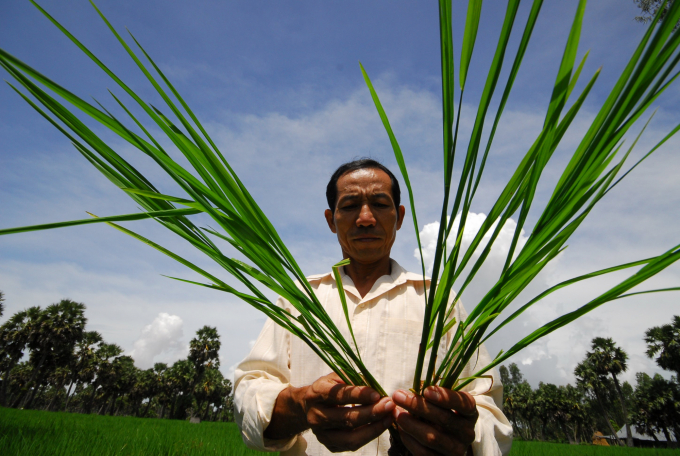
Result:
{"points": [[520, 448], [35, 433]]}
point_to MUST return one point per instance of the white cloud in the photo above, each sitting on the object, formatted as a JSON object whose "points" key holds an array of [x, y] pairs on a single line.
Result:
{"points": [[499, 250], [162, 337]]}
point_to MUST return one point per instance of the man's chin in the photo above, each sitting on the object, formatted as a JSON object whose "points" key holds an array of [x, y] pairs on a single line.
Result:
{"points": [[368, 255]]}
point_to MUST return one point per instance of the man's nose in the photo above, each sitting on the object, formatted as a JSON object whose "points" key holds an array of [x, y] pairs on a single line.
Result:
{"points": [[366, 216]]}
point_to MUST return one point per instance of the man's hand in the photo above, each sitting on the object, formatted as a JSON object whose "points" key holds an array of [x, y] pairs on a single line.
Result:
{"points": [[322, 406], [439, 422]]}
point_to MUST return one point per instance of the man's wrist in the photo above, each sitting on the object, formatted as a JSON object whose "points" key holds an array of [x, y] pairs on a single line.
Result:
{"points": [[298, 405], [289, 417]]}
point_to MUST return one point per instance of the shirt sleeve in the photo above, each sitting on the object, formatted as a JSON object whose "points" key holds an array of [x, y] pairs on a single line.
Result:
{"points": [[258, 380], [493, 431]]}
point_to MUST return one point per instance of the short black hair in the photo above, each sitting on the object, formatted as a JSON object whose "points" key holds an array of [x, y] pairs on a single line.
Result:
{"points": [[362, 163]]}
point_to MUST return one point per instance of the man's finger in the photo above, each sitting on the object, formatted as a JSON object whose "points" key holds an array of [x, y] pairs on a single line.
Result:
{"points": [[414, 446], [341, 394], [461, 402], [335, 378], [421, 408], [458, 425], [427, 436], [353, 440], [353, 417]]}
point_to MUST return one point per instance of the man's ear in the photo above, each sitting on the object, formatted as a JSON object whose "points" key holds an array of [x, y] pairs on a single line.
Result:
{"points": [[401, 211], [330, 220]]}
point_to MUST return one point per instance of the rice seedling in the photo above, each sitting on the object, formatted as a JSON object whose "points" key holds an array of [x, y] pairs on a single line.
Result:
{"points": [[590, 175], [212, 187]]}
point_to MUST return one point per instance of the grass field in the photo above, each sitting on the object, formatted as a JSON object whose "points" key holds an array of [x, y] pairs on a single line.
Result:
{"points": [[520, 448], [35, 433]]}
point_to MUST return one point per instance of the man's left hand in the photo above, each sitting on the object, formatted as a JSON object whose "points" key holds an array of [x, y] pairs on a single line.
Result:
{"points": [[441, 422]]}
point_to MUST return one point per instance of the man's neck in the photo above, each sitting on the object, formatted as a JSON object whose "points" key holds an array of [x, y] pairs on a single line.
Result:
{"points": [[364, 275]]}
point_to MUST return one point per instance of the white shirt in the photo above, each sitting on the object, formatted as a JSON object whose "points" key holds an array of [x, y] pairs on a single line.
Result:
{"points": [[387, 323]]}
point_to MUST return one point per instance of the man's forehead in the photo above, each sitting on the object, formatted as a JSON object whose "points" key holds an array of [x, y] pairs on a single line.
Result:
{"points": [[367, 179]]}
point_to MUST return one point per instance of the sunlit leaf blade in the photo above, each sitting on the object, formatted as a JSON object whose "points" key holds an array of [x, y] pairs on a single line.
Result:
{"points": [[343, 299], [474, 12], [112, 218]]}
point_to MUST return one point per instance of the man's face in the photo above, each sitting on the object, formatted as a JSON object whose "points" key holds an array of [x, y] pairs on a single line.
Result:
{"points": [[366, 219]]}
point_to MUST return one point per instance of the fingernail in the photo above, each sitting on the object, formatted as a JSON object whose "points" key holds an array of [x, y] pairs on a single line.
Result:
{"points": [[375, 397], [399, 396], [389, 406], [432, 394]]}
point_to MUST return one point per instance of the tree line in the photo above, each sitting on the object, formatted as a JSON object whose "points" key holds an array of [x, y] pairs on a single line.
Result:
{"points": [[49, 361], [599, 401]]}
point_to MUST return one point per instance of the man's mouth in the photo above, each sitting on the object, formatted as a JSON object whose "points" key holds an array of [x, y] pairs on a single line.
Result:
{"points": [[367, 239]]}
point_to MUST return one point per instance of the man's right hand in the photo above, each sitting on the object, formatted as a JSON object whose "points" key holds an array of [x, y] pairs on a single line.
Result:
{"points": [[343, 417]]}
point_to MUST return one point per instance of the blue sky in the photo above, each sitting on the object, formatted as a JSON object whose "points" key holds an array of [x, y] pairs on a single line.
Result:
{"points": [[278, 86]]}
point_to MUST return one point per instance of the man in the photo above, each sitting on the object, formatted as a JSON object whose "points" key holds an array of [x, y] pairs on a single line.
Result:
{"points": [[283, 400]]}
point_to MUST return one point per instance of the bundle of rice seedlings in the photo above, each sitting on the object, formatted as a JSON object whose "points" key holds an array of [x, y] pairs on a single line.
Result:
{"points": [[594, 169], [213, 188]]}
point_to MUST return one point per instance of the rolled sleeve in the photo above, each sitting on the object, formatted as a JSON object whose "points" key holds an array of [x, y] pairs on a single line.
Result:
{"points": [[254, 404], [493, 431], [258, 380]]}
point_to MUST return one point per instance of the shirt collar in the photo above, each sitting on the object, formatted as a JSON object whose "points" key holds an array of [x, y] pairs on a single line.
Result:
{"points": [[398, 276]]}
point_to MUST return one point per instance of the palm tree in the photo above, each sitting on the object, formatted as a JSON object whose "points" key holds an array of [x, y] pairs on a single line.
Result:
{"points": [[588, 377], [28, 322], [2, 306], [210, 390], [573, 411], [665, 341], [163, 393], [56, 379], [54, 332], [204, 348], [18, 382], [118, 381], [223, 402], [180, 381], [146, 387], [12, 345], [101, 367], [641, 417], [83, 367], [607, 358], [657, 405], [649, 8], [204, 354], [546, 403]]}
